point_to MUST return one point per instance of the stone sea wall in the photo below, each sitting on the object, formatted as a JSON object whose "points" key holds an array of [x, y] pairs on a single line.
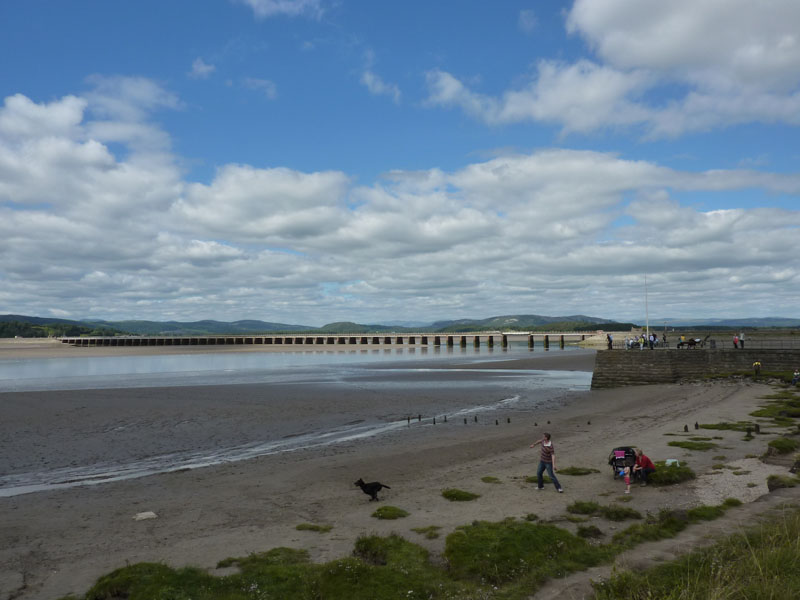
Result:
{"points": [[617, 368]]}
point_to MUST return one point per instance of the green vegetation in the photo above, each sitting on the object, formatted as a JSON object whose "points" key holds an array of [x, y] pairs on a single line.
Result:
{"points": [[702, 446], [670, 475], [513, 557], [577, 471], [531, 517], [43, 329], [775, 482], [580, 507], [668, 523], [576, 519], [758, 565], [490, 479], [720, 457], [590, 531], [738, 426], [456, 495], [518, 554], [620, 513], [783, 445], [389, 513], [700, 439], [782, 408], [430, 532], [545, 479], [312, 527]]}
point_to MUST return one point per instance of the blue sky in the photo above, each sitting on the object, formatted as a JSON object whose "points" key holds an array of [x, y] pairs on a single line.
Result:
{"points": [[309, 161]]}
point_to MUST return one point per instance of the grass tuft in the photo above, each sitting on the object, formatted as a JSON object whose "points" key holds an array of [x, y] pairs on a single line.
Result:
{"points": [[456, 495], [577, 471], [431, 532], [701, 446], [389, 513], [590, 531], [775, 482], [490, 479], [670, 475], [620, 513], [312, 527], [783, 445], [580, 507]]}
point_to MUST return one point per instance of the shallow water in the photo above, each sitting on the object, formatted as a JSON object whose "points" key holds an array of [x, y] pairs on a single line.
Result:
{"points": [[287, 402]]}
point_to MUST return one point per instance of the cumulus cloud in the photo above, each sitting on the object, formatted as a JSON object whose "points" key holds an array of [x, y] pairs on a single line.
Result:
{"points": [[200, 69], [291, 8], [88, 232], [377, 87], [737, 62]]}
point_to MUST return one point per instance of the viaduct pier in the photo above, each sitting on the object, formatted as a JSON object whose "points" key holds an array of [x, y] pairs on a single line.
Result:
{"points": [[450, 340]]}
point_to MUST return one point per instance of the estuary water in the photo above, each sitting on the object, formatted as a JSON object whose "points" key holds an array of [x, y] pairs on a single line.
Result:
{"points": [[92, 420]]}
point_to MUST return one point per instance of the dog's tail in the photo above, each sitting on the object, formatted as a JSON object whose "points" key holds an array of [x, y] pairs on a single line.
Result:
{"points": [[386, 486]]}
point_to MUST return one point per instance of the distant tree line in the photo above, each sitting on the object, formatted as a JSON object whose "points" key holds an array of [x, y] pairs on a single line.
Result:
{"points": [[10, 329]]}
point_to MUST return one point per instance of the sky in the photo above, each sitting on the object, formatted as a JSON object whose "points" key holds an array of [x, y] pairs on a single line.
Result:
{"points": [[312, 161]]}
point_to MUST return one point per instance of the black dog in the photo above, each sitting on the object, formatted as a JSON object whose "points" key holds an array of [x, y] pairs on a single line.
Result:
{"points": [[372, 488]]}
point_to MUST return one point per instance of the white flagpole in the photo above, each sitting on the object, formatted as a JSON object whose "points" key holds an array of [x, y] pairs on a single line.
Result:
{"points": [[646, 310]]}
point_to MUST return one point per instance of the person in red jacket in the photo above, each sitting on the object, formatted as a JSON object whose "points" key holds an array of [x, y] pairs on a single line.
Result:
{"points": [[643, 467]]}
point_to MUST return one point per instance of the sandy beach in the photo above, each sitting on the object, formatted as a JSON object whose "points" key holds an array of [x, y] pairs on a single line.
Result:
{"points": [[59, 542]]}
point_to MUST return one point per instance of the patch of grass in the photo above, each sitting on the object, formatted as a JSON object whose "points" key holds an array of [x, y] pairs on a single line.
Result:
{"points": [[620, 513], [738, 426], [720, 457], [490, 479], [522, 555], [670, 475], [430, 532], [696, 438], [312, 527], [388, 513], [783, 445], [731, 502], [741, 472], [668, 523], [775, 482], [701, 446], [590, 532], [577, 471], [705, 513], [531, 517], [532, 479], [276, 557], [718, 466], [580, 507], [752, 485], [751, 456], [758, 564], [456, 495], [576, 519]]}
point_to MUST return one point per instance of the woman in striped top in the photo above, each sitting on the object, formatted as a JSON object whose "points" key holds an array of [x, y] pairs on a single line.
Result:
{"points": [[547, 461]]}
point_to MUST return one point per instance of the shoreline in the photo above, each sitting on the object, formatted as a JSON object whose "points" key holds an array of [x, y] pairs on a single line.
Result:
{"points": [[61, 541]]}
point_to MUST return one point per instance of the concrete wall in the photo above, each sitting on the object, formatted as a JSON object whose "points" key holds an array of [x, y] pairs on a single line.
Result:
{"points": [[616, 368]]}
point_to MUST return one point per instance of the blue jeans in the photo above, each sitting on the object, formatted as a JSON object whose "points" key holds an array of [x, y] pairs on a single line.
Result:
{"points": [[540, 470]]}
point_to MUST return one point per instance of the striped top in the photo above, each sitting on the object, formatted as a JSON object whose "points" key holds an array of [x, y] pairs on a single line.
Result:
{"points": [[547, 453]]}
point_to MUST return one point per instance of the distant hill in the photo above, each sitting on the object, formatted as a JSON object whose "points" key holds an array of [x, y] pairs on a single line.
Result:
{"points": [[26, 326], [207, 327]]}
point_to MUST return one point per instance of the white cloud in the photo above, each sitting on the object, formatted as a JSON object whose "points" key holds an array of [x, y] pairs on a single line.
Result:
{"points": [[527, 20], [90, 233], [265, 86], [292, 8], [378, 87], [738, 62], [582, 97], [200, 69]]}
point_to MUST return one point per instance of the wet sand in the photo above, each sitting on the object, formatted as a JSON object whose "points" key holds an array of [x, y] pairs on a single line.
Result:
{"points": [[59, 542]]}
